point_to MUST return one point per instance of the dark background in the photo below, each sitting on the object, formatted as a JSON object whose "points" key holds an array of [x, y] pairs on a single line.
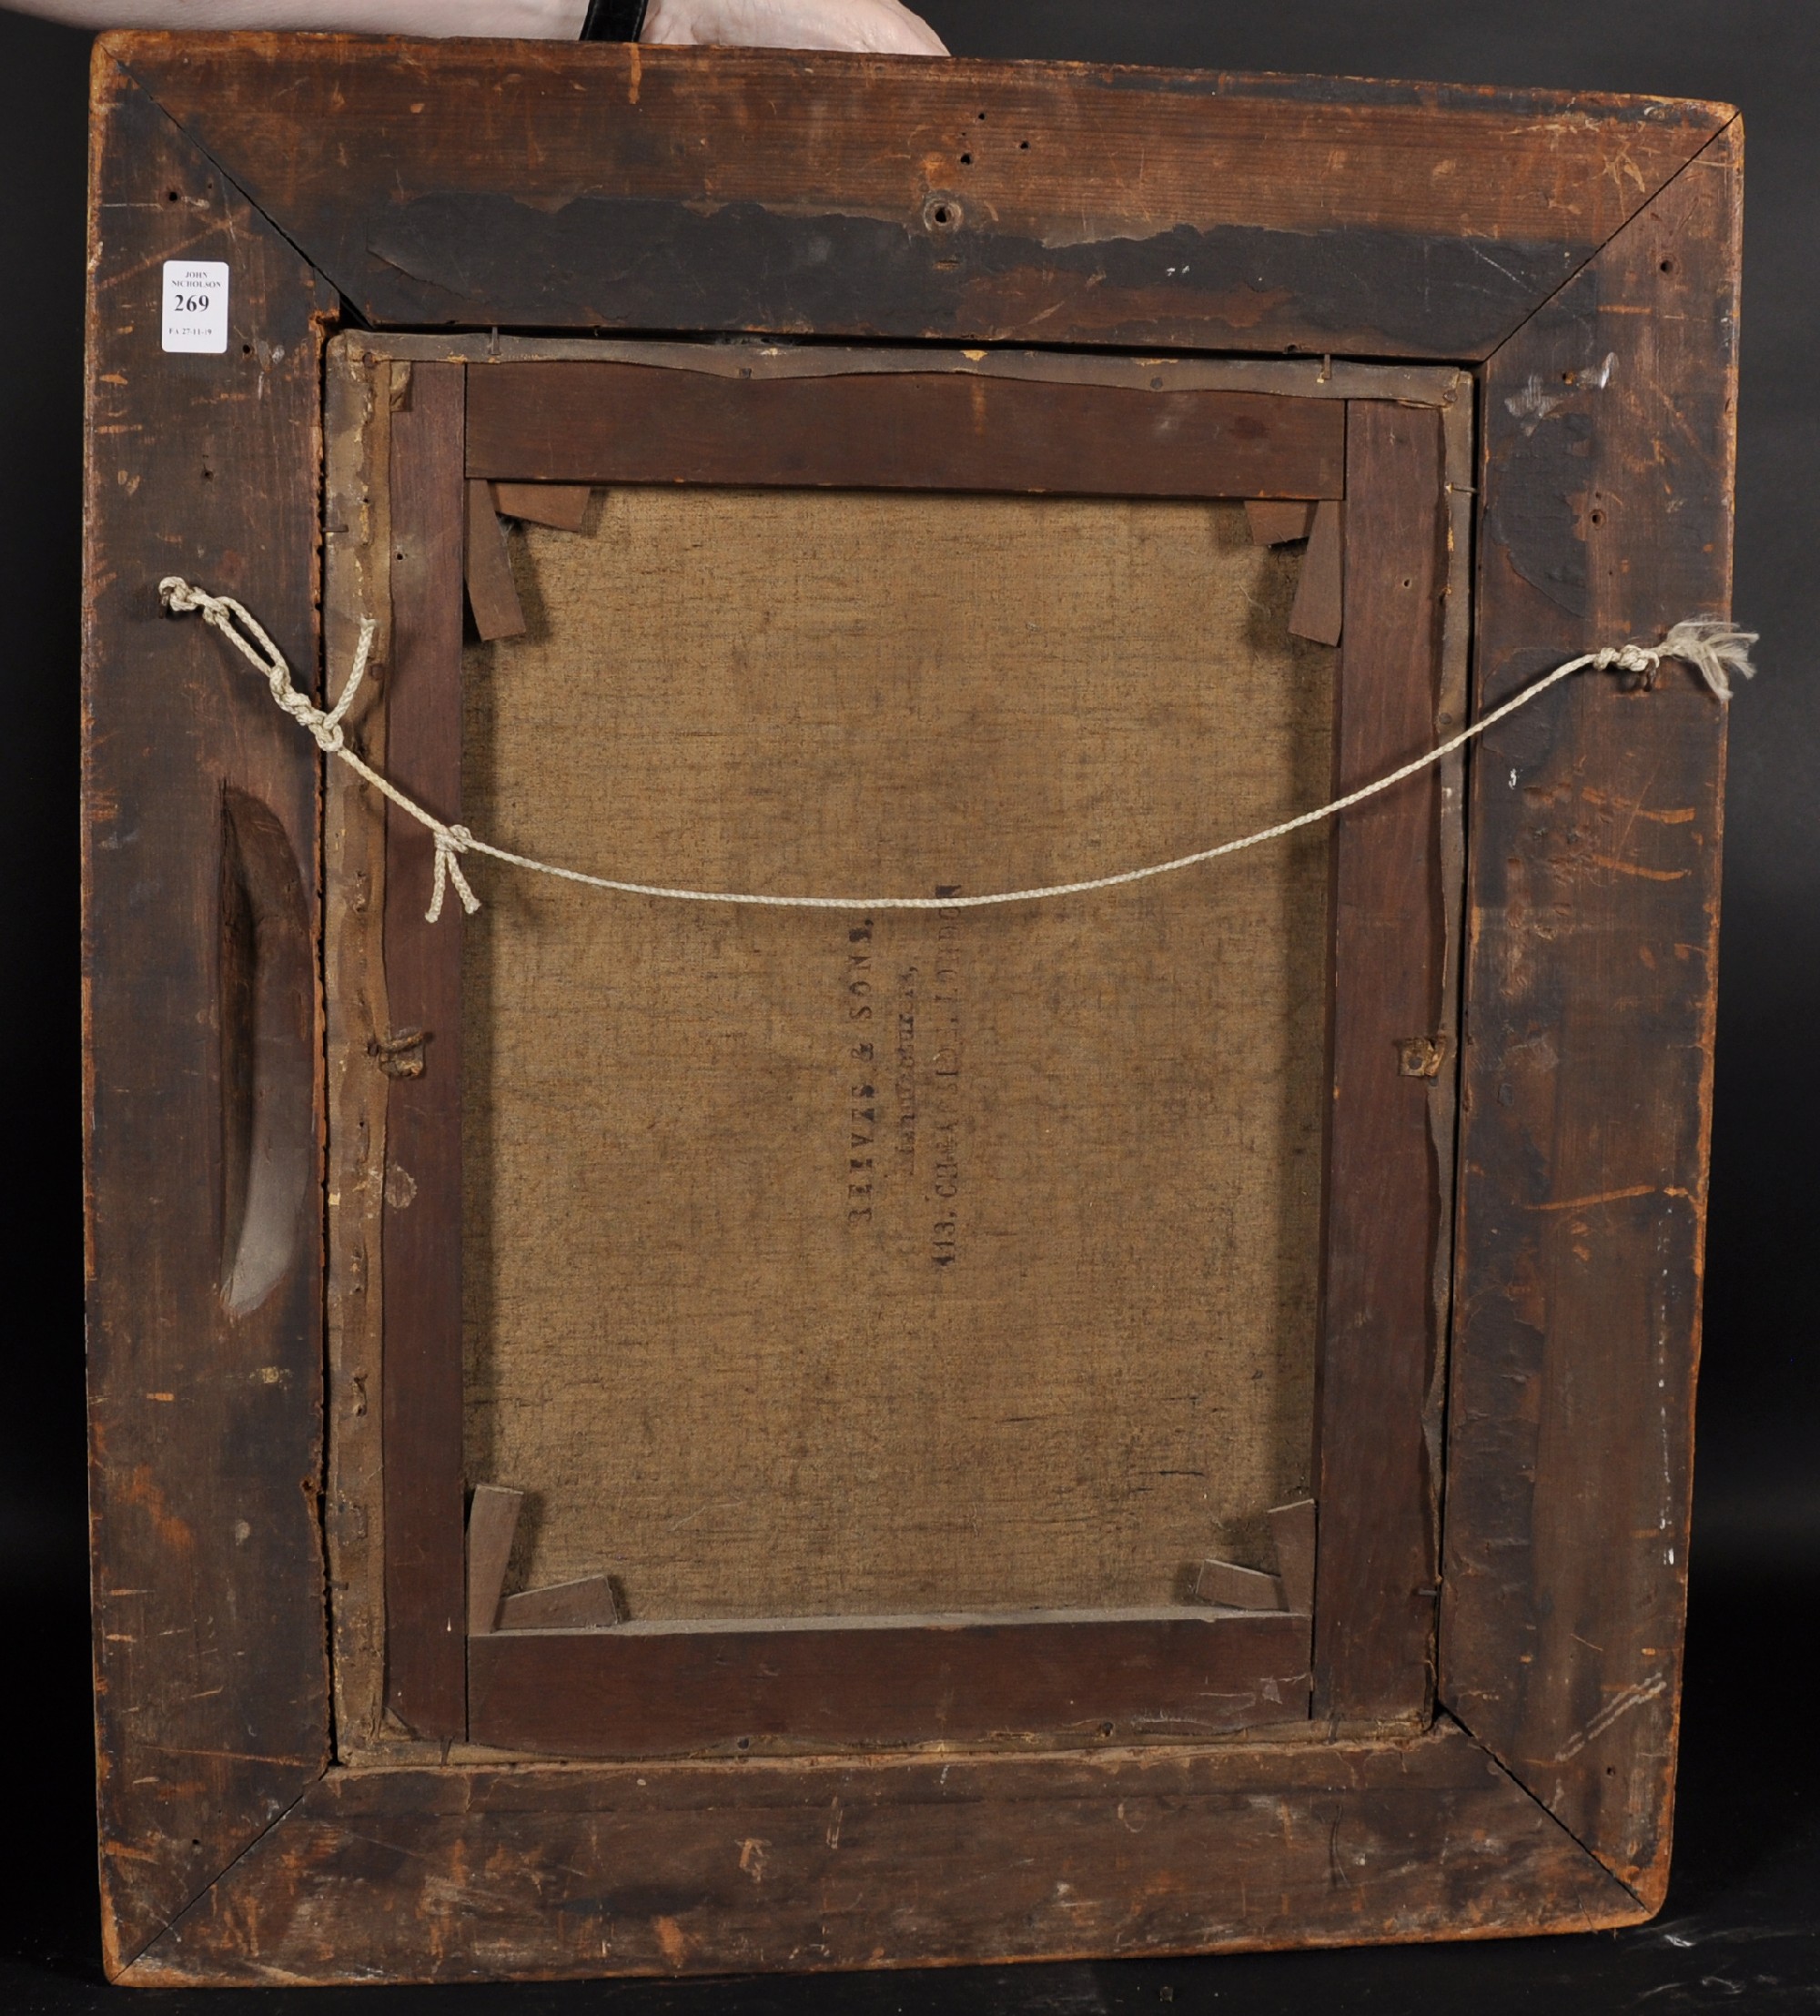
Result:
{"points": [[1742, 1927]]}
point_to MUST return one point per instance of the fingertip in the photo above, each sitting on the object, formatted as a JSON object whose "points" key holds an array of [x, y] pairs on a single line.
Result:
{"points": [[927, 42], [916, 38]]}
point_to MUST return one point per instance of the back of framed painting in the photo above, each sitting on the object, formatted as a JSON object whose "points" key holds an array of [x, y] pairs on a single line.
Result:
{"points": [[865, 1310]]}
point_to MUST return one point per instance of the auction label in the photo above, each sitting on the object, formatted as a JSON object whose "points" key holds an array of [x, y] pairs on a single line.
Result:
{"points": [[196, 305]]}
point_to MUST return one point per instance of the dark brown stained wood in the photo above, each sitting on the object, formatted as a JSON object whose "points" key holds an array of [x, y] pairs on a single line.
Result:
{"points": [[1321, 602], [1587, 1073], [587, 1604], [492, 595], [651, 1690], [654, 1868], [563, 505], [199, 879], [626, 423], [1375, 1589], [492, 1521], [1292, 1529], [425, 1579], [1278, 524], [600, 186]]}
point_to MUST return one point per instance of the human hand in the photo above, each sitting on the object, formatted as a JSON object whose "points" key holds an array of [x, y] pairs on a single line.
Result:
{"points": [[882, 27]]}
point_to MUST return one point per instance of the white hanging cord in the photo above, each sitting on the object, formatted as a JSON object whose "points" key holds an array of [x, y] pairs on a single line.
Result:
{"points": [[1715, 650]]}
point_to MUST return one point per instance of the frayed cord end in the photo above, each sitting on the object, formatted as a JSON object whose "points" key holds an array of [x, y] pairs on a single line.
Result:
{"points": [[1716, 650], [451, 843]]}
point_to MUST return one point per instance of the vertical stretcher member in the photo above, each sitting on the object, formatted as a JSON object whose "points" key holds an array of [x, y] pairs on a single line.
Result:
{"points": [[884, 27]]}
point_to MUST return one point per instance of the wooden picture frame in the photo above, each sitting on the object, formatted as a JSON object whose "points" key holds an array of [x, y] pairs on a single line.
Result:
{"points": [[1517, 1153]]}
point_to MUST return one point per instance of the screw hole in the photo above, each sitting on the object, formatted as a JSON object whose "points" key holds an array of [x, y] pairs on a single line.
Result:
{"points": [[1023, 147], [1106, 1729], [745, 1743], [1668, 266], [171, 195], [942, 213], [246, 349], [967, 160], [1596, 517]]}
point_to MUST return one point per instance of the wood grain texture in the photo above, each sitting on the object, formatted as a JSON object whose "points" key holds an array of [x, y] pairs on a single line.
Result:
{"points": [[1293, 1529], [1240, 1588], [1596, 819], [1323, 377], [618, 423], [655, 1690], [357, 588], [425, 1577], [1320, 610], [587, 1604], [1374, 1593], [601, 186], [563, 505], [198, 873], [1278, 524], [493, 1520], [654, 1869], [493, 600]]}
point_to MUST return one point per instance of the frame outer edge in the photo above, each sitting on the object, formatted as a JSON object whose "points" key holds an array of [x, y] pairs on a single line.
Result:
{"points": [[883, 1864], [434, 252], [1656, 1770], [1608, 462], [205, 1473]]}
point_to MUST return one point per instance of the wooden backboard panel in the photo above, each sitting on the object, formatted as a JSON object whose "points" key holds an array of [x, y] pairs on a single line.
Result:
{"points": [[841, 1262]]}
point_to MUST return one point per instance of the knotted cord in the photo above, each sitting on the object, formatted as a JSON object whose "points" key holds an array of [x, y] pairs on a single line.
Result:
{"points": [[1716, 651]]}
